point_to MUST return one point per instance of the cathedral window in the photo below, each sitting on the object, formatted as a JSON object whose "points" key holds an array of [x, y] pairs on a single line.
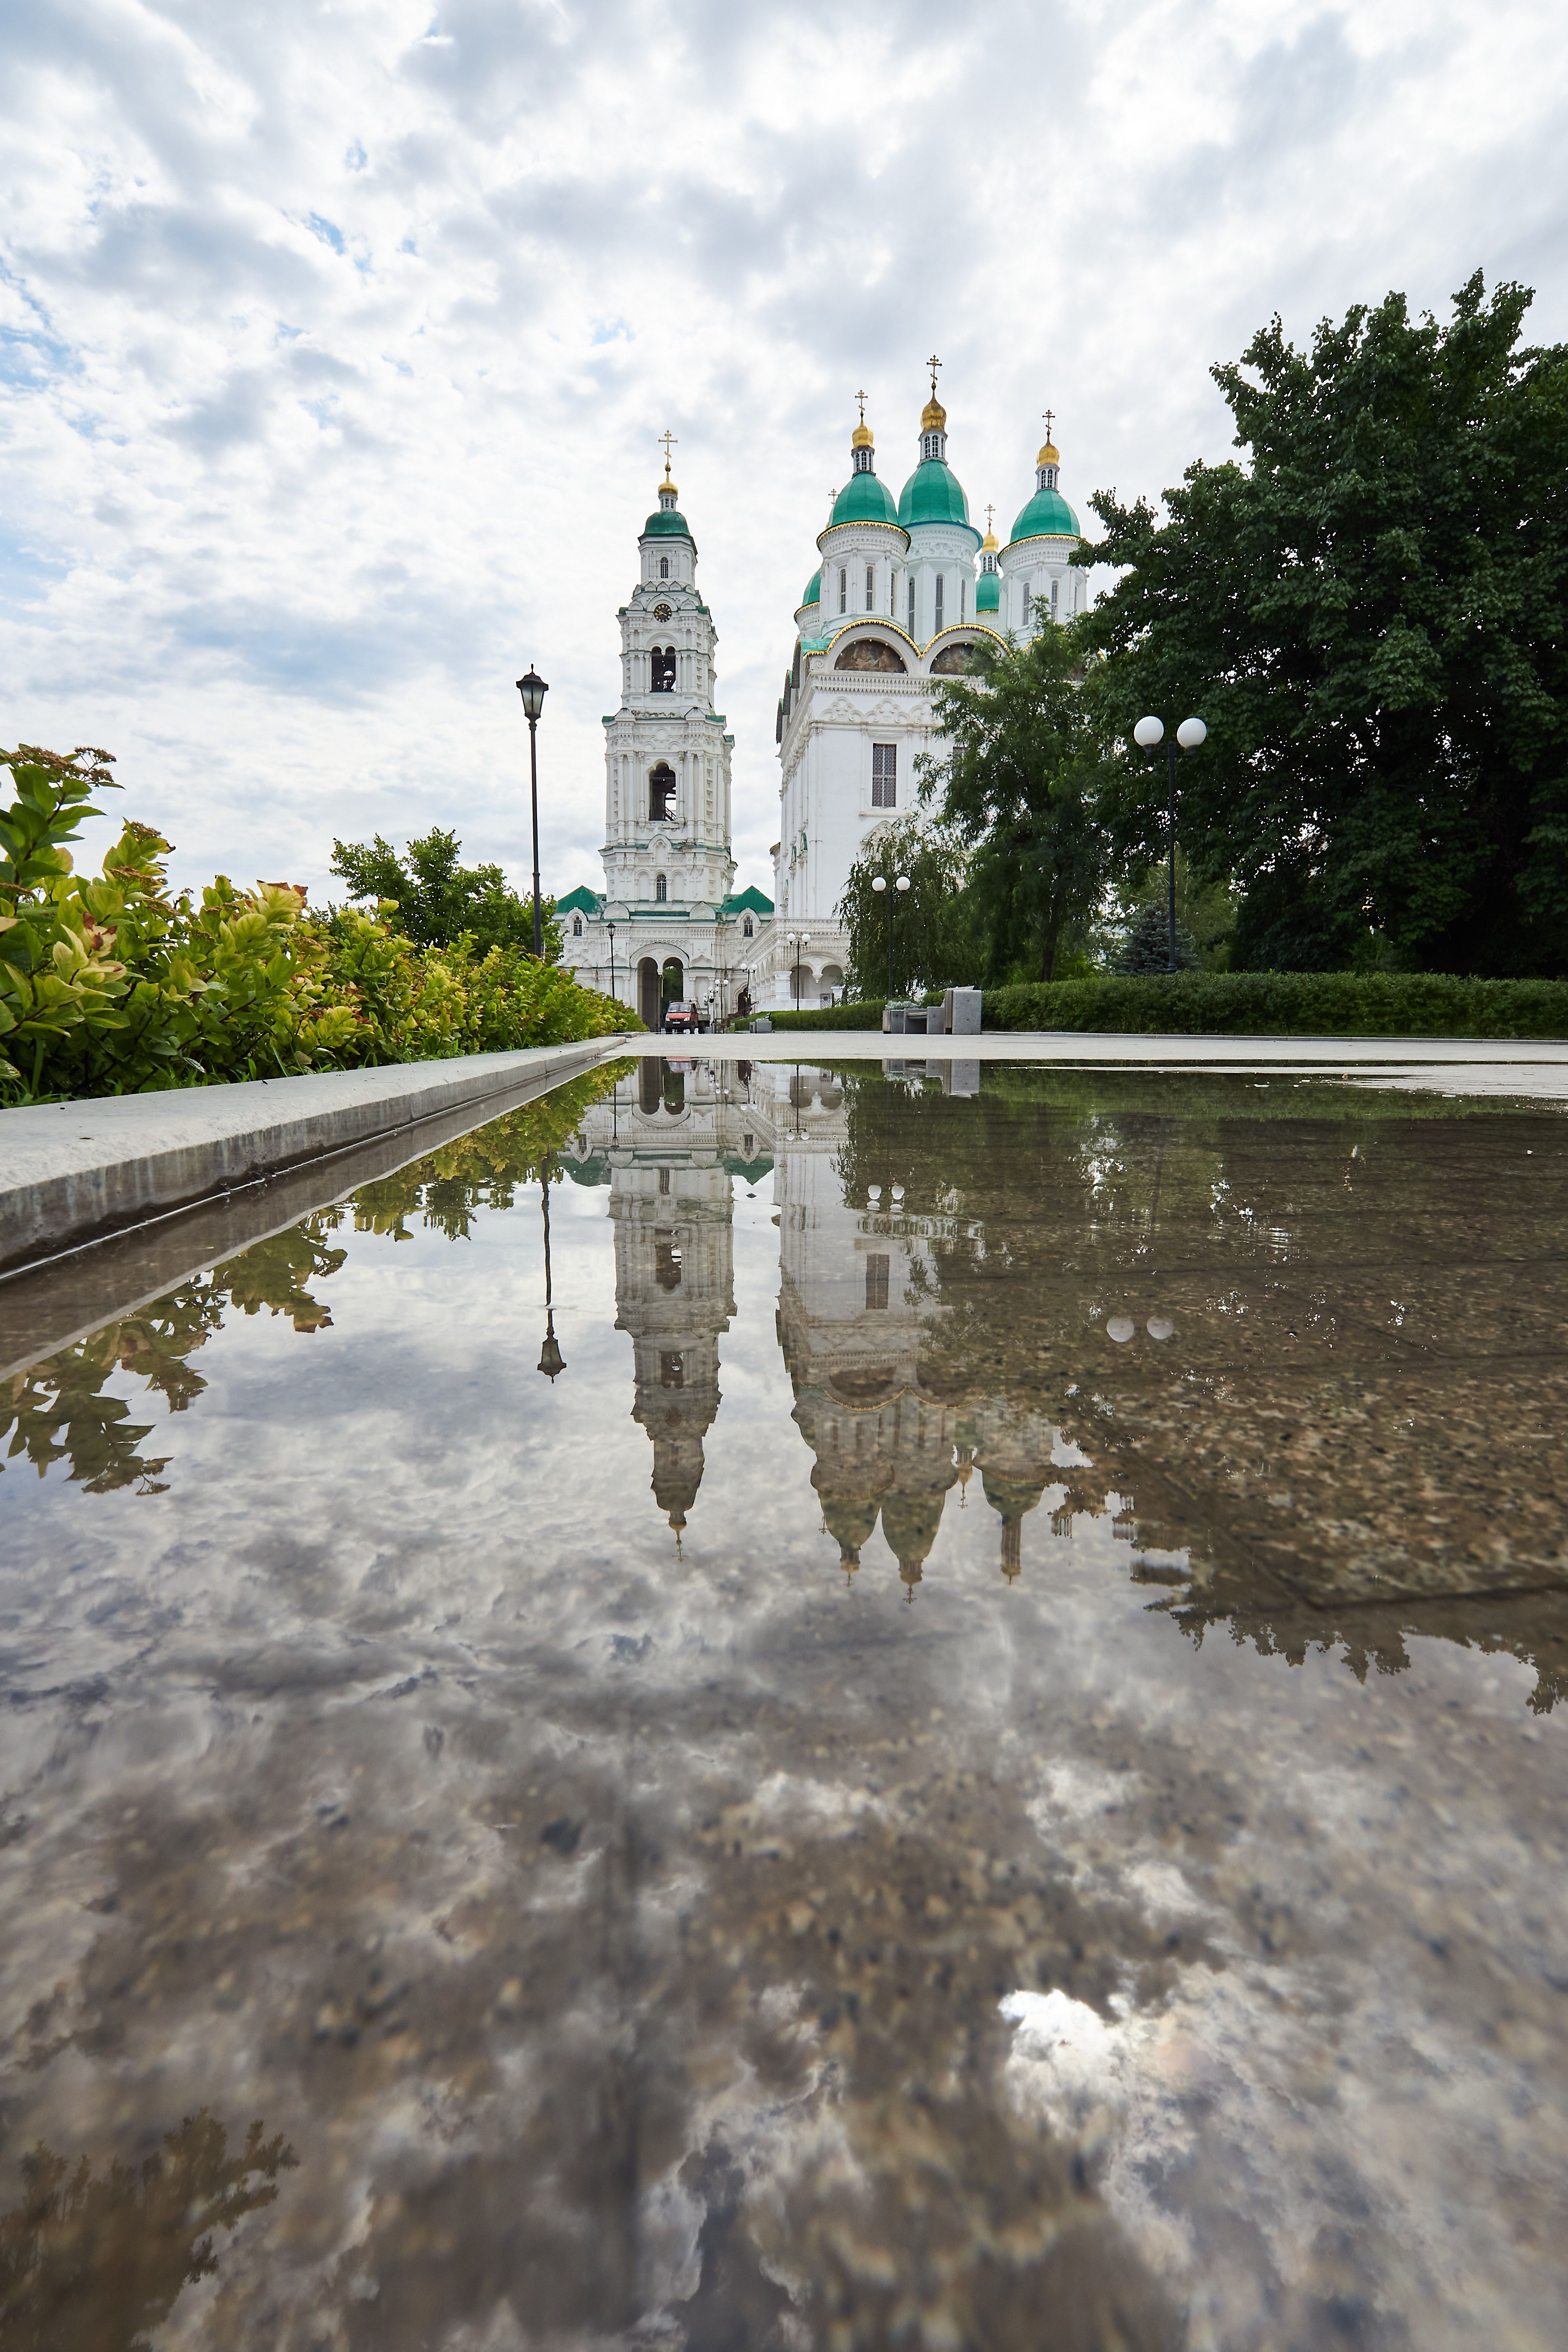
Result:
{"points": [[962, 599], [746, 928], [843, 590], [664, 567], [671, 1372], [884, 775], [1054, 586], [870, 587], [1023, 601], [912, 603], [660, 793], [576, 927], [939, 589], [660, 888], [664, 1180]]}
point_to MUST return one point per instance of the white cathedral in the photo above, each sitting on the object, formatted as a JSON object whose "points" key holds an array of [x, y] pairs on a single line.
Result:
{"points": [[902, 593]]}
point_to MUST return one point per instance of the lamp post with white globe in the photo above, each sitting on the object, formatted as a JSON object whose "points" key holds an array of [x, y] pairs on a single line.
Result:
{"points": [[879, 884], [1149, 734], [797, 940]]}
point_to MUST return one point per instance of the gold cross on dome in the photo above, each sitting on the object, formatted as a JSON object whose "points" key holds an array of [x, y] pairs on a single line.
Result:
{"points": [[1047, 414], [933, 363], [860, 397], [669, 442], [989, 512]]}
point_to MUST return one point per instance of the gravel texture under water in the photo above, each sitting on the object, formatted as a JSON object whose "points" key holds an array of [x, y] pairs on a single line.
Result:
{"points": [[979, 1768]]}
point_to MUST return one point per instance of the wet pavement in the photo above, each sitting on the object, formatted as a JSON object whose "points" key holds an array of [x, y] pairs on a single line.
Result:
{"points": [[941, 1730]]}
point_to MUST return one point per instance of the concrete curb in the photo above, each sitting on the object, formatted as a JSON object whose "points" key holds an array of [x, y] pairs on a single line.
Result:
{"points": [[71, 1173]]}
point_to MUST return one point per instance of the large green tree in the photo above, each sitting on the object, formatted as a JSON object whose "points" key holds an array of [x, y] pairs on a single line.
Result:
{"points": [[1370, 617], [1017, 771], [437, 900]]}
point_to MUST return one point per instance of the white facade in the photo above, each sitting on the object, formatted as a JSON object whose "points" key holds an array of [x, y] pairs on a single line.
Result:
{"points": [[668, 921], [903, 593]]}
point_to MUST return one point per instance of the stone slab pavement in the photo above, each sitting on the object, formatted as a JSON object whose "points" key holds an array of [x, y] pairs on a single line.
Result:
{"points": [[72, 1173]]}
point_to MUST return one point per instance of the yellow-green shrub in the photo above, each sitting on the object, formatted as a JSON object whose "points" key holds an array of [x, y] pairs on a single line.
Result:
{"points": [[110, 983]]}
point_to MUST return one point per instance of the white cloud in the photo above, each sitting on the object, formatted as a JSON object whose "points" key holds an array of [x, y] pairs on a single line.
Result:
{"points": [[335, 343]]}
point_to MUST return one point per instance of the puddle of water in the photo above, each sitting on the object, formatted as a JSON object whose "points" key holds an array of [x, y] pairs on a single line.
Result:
{"points": [[940, 1729]]}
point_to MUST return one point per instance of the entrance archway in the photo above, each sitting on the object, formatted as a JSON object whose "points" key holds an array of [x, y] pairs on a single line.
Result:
{"points": [[672, 984], [649, 1010]]}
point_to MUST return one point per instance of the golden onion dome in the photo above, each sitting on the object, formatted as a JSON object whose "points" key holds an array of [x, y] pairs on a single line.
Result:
{"points": [[988, 544], [1049, 455], [933, 417], [667, 489], [862, 437]]}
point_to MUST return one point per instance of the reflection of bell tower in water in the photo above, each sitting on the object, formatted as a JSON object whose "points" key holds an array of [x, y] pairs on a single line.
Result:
{"points": [[662, 1134]]}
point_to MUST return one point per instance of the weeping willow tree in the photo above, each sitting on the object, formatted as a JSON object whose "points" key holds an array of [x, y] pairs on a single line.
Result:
{"points": [[902, 942], [1017, 781]]}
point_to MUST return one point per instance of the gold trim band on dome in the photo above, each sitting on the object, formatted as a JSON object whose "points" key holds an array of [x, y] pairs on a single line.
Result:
{"points": [[869, 621], [867, 525]]}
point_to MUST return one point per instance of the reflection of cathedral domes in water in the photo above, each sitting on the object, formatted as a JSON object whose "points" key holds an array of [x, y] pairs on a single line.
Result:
{"points": [[1014, 1498], [677, 1475], [910, 1522], [850, 1518]]}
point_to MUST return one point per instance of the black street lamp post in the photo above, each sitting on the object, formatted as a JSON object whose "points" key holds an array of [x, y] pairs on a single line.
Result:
{"points": [[1149, 734], [879, 884], [533, 689], [611, 929]]}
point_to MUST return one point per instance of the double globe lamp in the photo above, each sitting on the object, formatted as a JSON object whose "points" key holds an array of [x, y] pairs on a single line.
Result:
{"points": [[879, 884], [1149, 734]]}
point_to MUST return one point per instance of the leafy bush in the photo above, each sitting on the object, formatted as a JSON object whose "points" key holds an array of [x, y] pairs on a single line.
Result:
{"points": [[1289, 1005], [110, 984]]}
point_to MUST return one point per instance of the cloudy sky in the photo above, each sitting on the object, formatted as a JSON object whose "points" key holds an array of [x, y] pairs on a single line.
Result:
{"points": [[335, 338]]}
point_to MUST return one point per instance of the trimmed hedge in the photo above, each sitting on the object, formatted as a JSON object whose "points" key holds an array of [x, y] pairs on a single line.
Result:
{"points": [[1287, 1004], [835, 1016]]}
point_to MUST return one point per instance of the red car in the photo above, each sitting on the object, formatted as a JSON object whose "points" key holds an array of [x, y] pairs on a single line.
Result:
{"points": [[682, 1013]]}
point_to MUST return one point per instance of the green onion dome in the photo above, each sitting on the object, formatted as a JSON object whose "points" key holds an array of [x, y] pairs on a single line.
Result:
{"points": [[863, 499], [813, 588], [1047, 516], [933, 493], [987, 593], [668, 523]]}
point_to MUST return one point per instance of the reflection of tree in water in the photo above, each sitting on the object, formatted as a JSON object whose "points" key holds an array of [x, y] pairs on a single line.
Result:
{"points": [[63, 1409], [92, 2265], [1299, 1440]]}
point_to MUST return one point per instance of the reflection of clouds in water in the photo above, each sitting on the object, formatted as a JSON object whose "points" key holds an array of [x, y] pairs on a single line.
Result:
{"points": [[435, 1794]]}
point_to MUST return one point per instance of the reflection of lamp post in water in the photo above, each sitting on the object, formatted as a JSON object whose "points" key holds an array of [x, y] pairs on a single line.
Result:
{"points": [[879, 884], [550, 1360]]}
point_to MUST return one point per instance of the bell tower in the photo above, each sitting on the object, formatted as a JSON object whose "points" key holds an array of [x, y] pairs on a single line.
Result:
{"points": [[667, 755]]}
